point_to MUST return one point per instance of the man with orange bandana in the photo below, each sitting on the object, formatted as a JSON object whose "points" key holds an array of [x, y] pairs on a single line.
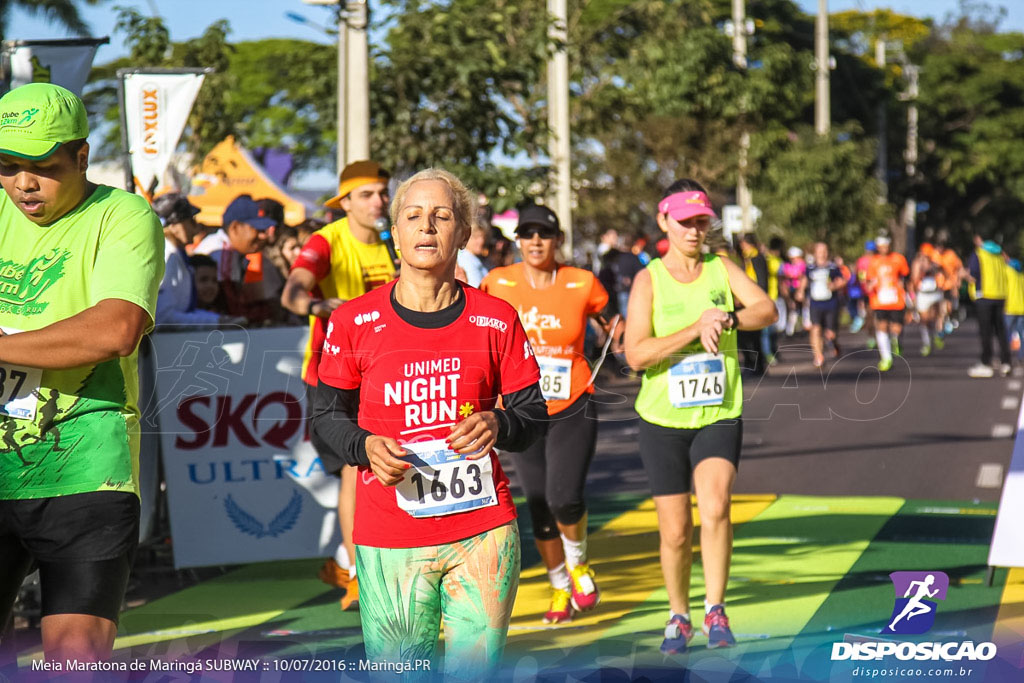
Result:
{"points": [[887, 298], [341, 261], [554, 303]]}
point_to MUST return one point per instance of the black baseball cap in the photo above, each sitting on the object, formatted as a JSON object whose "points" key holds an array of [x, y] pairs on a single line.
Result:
{"points": [[173, 207], [536, 215]]}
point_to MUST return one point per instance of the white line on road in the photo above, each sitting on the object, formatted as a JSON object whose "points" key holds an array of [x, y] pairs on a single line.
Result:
{"points": [[1014, 385], [1010, 402], [990, 476], [1002, 431]]}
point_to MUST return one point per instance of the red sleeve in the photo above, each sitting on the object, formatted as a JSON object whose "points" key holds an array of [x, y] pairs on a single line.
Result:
{"points": [[315, 257], [518, 366], [339, 364], [905, 269], [598, 297]]}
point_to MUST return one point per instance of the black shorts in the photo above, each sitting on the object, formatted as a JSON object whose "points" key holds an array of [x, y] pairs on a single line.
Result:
{"points": [[83, 545], [670, 455], [826, 315], [890, 316]]}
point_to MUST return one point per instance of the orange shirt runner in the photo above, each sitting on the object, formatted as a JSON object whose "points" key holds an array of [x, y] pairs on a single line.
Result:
{"points": [[555, 320], [885, 284]]}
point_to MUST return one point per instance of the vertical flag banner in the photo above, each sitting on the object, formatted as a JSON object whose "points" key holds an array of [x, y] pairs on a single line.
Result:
{"points": [[63, 62], [156, 107]]}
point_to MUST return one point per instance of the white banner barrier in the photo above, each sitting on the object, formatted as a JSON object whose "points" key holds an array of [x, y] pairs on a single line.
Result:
{"points": [[243, 482], [1007, 549]]}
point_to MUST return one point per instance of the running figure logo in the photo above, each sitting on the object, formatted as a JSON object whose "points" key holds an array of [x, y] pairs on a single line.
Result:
{"points": [[914, 613]]}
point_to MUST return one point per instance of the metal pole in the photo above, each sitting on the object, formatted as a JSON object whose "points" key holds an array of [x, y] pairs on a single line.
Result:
{"points": [[342, 87], [882, 171], [126, 159], [822, 106], [739, 57], [558, 121], [358, 133], [910, 156]]}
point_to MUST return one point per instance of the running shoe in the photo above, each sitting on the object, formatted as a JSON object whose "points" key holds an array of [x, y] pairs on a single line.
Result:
{"points": [[872, 343], [948, 327], [559, 611], [980, 370], [857, 323], [926, 351], [885, 365], [585, 595], [350, 600], [716, 628], [333, 574], [678, 632], [1005, 369], [896, 350], [939, 344]]}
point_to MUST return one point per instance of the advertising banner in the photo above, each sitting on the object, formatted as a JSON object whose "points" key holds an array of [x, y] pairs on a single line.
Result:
{"points": [[244, 484], [64, 63], [156, 108]]}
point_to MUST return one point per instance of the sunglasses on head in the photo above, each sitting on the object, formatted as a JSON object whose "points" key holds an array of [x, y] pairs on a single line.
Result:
{"points": [[528, 232]]}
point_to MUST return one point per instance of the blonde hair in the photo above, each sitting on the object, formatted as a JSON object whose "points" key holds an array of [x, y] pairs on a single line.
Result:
{"points": [[463, 198]]}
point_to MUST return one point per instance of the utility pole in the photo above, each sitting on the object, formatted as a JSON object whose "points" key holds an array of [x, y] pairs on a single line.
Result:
{"points": [[910, 157], [342, 87], [358, 100], [882, 170], [822, 105], [739, 57], [558, 120]]}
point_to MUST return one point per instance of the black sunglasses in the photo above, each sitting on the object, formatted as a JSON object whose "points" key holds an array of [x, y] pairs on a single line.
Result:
{"points": [[529, 231]]}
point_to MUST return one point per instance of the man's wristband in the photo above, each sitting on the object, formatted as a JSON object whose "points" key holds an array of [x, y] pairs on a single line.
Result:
{"points": [[312, 303], [734, 321]]}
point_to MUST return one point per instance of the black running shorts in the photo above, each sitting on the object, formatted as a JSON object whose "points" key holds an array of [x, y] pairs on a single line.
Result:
{"points": [[670, 455], [83, 545]]}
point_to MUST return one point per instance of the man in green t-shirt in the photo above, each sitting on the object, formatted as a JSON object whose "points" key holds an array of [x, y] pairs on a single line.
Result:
{"points": [[80, 265]]}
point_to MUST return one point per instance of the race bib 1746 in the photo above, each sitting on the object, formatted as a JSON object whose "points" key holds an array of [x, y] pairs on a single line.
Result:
{"points": [[697, 380]]}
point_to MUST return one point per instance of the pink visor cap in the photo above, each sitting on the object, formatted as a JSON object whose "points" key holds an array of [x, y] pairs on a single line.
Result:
{"points": [[683, 205]]}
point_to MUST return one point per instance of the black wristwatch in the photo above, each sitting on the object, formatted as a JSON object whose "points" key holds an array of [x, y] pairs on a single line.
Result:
{"points": [[734, 319], [312, 303]]}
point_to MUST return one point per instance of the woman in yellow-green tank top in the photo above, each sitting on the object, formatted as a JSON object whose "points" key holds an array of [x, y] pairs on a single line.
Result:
{"points": [[681, 332]]}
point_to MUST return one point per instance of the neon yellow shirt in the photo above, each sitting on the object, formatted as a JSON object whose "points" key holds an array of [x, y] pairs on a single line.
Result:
{"points": [[77, 430]]}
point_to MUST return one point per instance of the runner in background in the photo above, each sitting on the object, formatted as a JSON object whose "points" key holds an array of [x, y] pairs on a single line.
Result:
{"points": [[884, 284], [83, 266], [861, 271], [987, 270], [926, 280], [1015, 306], [554, 302], [681, 331], [822, 283], [953, 269], [770, 334], [341, 261], [409, 381], [793, 271]]}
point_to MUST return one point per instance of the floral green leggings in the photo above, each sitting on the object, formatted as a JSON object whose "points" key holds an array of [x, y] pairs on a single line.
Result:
{"points": [[405, 593]]}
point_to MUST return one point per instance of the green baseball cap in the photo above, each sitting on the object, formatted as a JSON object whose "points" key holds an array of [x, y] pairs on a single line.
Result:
{"points": [[37, 118]]}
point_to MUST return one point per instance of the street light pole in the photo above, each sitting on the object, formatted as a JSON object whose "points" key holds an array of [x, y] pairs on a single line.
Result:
{"points": [[358, 101], [882, 171], [822, 105], [558, 120], [342, 88], [739, 57]]}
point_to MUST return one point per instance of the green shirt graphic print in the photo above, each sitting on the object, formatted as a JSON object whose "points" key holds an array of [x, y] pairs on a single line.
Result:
{"points": [[77, 430]]}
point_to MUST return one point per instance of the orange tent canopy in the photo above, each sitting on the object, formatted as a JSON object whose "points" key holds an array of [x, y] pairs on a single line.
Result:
{"points": [[229, 171]]}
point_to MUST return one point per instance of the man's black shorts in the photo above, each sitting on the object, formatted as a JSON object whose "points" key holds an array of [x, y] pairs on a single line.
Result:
{"points": [[83, 545], [890, 316], [826, 315]]}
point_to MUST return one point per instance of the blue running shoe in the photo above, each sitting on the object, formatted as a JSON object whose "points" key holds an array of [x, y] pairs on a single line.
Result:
{"points": [[678, 632], [716, 627], [857, 324]]}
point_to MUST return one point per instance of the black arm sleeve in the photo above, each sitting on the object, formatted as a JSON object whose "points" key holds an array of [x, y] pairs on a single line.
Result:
{"points": [[760, 271], [334, 430], [523, 420]]}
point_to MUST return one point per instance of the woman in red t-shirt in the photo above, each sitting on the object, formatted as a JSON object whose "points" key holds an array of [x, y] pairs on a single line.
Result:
{"points": [[409, 379]]}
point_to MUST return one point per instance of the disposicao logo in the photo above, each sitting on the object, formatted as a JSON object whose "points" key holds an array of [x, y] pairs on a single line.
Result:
{"points": [[913, 614]]}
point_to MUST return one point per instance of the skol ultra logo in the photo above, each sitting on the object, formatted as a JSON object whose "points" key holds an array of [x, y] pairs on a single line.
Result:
{"points": [[916, 592]]}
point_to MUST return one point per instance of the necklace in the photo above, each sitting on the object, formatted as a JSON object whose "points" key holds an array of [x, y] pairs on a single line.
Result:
{"points": [[554, 276]]}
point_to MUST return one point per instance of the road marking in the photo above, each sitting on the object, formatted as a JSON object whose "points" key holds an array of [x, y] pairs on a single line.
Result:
{"points": [[1002, 431], [1010, 402], [990, 476], [1013, 385]]}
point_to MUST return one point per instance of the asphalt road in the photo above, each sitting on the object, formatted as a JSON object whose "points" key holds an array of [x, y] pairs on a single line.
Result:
{"points": [[922, 430]]}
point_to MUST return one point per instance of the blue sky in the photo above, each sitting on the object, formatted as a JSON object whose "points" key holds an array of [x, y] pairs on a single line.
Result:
{"points": [[255, 19]]}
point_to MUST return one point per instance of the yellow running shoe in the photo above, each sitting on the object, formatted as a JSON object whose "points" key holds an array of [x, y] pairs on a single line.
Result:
{"points": [[350, 600], [559, 611]]}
